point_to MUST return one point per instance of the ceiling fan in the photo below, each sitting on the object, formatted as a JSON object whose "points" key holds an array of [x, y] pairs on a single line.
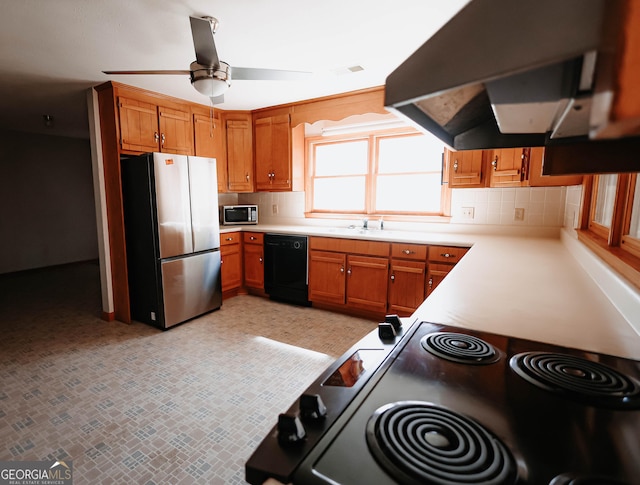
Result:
{"points": [[211, 76]]}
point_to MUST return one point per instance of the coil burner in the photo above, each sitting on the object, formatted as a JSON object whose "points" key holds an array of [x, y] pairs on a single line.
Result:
{"points": [[579, 379], [420, 443], [459, 347]]}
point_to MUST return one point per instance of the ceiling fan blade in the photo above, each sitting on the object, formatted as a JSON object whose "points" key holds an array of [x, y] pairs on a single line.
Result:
{"points": [[254, 74], [183, 72], [203, 42]]}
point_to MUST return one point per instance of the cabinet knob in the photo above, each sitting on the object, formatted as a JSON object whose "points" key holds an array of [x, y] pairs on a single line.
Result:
{"points": [[156, 137], [447, 255], [349, 271], [393, 277], [247, 176], [455, 165], [406, 251], [342, 269], [260, 259], [163, 138], [229, 239], [253, 238], [494, 163], [430, 283]]}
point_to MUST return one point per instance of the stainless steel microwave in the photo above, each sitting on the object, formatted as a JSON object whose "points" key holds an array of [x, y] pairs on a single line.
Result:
{"points": [[232, 215]]}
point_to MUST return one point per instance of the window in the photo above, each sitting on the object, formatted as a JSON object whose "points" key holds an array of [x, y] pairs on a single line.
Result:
{"points": [[376, 174], [631, 225], [603, 203], [612, 229]]}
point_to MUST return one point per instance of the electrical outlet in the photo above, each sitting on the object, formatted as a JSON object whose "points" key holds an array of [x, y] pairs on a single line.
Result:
{"points": [[518, 215], [274, 209], [468, 212]]}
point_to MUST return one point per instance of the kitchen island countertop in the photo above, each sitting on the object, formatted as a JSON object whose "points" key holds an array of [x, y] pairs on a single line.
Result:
{"points": [[526, 287]]}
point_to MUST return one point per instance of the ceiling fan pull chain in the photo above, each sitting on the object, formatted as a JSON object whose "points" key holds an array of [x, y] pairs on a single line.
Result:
{"points": [[210, 118]]}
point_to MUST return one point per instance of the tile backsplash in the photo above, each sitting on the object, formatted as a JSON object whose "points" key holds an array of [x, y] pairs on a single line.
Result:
{"points": [[539, 206]]}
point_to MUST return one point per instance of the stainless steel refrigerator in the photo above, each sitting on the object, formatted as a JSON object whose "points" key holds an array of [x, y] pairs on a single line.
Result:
{"points": [[172, 232]]}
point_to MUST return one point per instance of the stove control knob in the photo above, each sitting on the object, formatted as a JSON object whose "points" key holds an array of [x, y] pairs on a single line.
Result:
{"points": [[395, 321], [386, 331], [312, 407], [290, 430]]}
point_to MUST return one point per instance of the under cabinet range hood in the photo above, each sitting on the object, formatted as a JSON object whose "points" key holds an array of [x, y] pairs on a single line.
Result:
{"points": [[507, 73]]}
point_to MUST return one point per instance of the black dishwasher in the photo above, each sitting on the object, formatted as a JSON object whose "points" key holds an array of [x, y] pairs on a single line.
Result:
{"points": [[285, 268]]}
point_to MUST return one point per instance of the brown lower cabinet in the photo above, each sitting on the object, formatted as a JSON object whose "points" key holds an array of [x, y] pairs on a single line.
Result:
{"points": [[367, 283], [253, 260], [351, 274], [231, 261], [408, 268], [442, 259]]}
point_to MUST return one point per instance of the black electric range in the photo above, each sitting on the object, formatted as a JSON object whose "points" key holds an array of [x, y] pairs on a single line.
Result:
{"points": [[445, 405]]}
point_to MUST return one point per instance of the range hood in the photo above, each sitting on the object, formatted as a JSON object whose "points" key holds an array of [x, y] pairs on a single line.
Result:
{"points": [[506, 73]]}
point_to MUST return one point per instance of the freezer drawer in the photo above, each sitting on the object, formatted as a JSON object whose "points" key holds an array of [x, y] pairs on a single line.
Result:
{"points": [[191, 286]]}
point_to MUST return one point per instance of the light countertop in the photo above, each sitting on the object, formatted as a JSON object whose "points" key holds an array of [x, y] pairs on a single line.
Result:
{"points": [[534, 288]]}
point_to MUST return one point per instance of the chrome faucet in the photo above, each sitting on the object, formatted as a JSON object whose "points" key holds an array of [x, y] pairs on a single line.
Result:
{"points": [[365, 223]]}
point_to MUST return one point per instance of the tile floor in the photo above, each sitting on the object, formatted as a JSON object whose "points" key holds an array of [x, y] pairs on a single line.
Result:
{"points": [[133, 404]]}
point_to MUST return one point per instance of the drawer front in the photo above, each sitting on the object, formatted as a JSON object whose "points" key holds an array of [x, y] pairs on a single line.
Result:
{"points": [[229, 238], [409, 251], [253, 237], [446, 254], [351, 246]]}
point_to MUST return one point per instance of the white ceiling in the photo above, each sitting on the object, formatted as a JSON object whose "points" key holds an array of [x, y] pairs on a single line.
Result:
{"points": [[51, 51]]}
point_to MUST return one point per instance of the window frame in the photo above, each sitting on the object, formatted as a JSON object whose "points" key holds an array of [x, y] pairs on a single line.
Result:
{"points": [[627, 242], [373, 139], [613, 245]]}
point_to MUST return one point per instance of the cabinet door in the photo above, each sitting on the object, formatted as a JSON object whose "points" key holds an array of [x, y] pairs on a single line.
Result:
{"points": [[231, 260], [254, 266], [273, 153], [240, 155], [327, 277], [175, 131], [536, 179], [207, 134], [263, 143], [406, 286], [231, 266], [465, 168], [367, 283], [435, 275], [138, 126], [508, 167]]}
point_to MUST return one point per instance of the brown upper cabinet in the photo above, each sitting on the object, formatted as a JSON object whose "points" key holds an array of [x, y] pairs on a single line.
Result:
{"points": [[506, 167], [536, 179], [147, 127], [466, 167], [239, 141], [208, 138], [279, 153]]}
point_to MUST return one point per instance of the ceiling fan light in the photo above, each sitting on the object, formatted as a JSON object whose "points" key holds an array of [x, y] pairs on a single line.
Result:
{"points": [[210, 87], [211, 81]]}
